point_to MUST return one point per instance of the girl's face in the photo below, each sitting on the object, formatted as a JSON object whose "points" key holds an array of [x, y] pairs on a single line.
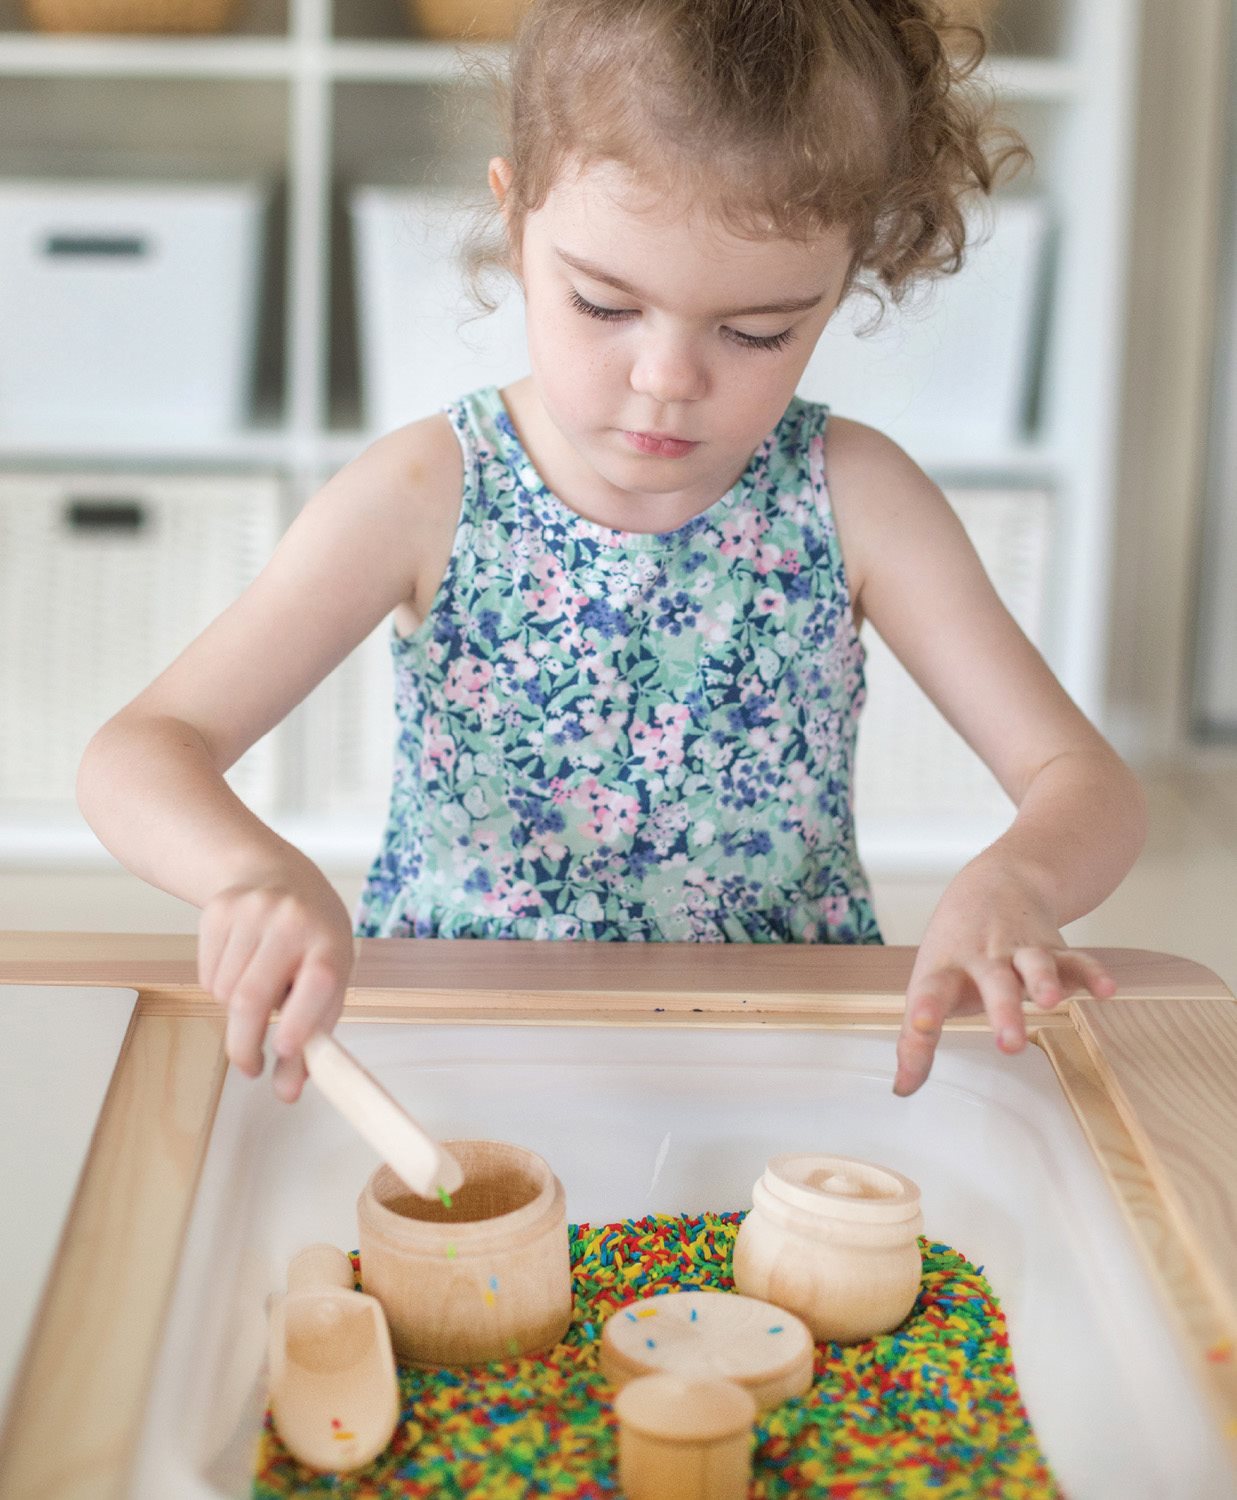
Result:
{"points": [[664, 348]]}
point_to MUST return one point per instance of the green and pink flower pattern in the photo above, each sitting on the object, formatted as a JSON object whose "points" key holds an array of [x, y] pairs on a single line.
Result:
{"points": [[619, 736]]}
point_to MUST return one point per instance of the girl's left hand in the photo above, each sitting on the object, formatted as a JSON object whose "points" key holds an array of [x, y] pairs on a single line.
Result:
{"points": [[993, 938]]}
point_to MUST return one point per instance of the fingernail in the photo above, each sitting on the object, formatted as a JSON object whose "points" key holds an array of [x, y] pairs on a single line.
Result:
{"points": [[233, 1045], [1010, 1039]]}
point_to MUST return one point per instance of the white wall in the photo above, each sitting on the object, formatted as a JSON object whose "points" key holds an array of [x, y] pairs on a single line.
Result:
{"points": [[1177, 204], [1169, 357]]}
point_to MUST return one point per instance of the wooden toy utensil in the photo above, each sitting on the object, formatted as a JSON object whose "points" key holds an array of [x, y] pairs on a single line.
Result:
{"points": [[415, 1157], [711, 1336], [334, 1389], [685, 1439], [835, 1240]]}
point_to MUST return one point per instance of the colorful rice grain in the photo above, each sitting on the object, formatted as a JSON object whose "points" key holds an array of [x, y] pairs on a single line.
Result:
{"points": [[928, 1412]]}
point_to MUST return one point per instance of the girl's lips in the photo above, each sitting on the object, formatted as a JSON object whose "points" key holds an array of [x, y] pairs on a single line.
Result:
{"points": [[643, 442]]}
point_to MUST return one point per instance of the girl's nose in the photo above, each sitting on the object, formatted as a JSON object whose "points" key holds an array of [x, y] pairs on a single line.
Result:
{"points": [[667, 370]]}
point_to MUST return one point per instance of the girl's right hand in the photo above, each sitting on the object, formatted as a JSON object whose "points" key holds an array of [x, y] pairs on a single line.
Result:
{"points": [[281, 942]]}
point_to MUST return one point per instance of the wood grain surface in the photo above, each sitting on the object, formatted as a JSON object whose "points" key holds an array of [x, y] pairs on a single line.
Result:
{"points": [[72, 1428], [1150, 1074], [1171, 1070], [1170, 1248], [424, 968]]}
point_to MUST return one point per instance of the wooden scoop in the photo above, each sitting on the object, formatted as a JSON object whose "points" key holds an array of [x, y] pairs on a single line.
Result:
{"points": [[413, 1156], [334, 1390]]}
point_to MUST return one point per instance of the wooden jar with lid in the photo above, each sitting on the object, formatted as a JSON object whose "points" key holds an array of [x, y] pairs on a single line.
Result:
{"points": [[685, 1439], [486, 1278], [834, 1240]]}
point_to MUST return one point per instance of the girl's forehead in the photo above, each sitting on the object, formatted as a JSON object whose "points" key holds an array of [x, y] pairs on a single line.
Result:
{"points": [[602, 215]]}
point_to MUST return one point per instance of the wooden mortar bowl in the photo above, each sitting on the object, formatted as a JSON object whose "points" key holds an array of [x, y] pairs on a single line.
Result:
{"points": [[489, 1277]]}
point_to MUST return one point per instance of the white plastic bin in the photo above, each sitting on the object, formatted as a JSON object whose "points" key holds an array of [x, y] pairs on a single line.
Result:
{"points": [[667, 1120], [349, 720], [418, 351], [128, 309], [104, 579], [910, 761], [956, 364]]}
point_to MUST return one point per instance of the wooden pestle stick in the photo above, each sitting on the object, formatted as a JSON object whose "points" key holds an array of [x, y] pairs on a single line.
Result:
{"points": [[413, 1156]]}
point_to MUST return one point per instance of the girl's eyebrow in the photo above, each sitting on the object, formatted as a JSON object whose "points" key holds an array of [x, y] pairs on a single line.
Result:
{"points": [[792, 305]]}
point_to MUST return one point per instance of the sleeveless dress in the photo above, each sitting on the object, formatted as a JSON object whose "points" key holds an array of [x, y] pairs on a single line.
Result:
{"points": [[615, 735]]}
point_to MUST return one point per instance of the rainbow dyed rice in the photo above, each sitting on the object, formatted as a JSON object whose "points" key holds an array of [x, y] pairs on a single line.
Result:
{"points": [[928, 1412]]}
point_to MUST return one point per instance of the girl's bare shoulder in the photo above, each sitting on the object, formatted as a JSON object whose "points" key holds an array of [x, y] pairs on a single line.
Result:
{"points": [[418, 467], [415, 475], [855, 455]]}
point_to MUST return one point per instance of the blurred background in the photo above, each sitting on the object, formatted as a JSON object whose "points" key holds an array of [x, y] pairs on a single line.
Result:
{"points": [[226, 263]]}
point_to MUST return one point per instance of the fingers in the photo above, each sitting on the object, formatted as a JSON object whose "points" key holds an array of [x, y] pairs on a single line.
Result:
{"points": [[257, 991], [1052, 975], [1001, 990], [289, 1077], [223, 960], [1082, 969], [313, 1005], [945, 992], [1038, 969], [928, 1003], [265, 947], [1046, 976]]}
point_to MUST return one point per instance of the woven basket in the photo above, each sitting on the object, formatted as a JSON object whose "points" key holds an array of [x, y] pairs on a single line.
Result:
{"points": [[474, 20], [131, 15], [496, 20]]}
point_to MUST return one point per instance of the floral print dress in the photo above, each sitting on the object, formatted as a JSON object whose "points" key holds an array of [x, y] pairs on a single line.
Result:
{"points": [[624, 736]]}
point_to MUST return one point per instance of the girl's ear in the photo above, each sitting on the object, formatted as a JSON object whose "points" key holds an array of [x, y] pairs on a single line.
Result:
{"points": [[500, 185], [500, 180]]}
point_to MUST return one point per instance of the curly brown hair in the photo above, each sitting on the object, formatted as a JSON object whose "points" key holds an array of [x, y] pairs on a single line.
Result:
{"points": [[777, 117]]}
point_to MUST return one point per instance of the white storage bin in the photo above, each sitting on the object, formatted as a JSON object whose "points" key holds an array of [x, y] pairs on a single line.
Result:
{"points": [[955, 365], [104, 579], [127, 309], [349, 723], [912, 765], [417, 350]]}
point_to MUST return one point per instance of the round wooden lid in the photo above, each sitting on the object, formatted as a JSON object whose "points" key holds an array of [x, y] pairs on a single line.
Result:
{"points": [[711, 1336], [686, 1411], [842, 1187]]}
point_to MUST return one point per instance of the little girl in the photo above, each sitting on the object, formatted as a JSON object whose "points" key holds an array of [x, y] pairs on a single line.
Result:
{"points": [[627, 589]]}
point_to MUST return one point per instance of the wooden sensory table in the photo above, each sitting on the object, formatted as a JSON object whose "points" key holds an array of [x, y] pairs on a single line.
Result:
{"points": [[1151, 1075]]}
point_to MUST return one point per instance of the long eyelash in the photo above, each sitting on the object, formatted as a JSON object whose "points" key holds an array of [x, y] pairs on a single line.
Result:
{"points": [[605, 313], [772, 341], [747, 340]]}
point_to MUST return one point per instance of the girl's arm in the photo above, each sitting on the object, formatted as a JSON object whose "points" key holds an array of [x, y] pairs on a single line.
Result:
{"points": [[151, 783], [1081, 818]]}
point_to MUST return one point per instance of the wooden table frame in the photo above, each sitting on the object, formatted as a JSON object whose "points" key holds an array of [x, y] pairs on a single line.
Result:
{"points": [[1151, 1074]]}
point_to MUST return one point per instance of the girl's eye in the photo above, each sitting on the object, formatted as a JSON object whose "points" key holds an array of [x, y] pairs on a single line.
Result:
{"points": [[744, 340], [591, 308], [769, 341]]}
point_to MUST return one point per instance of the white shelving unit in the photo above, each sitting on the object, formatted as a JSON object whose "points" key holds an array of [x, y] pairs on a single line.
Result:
{"points": [[315, 93]]}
